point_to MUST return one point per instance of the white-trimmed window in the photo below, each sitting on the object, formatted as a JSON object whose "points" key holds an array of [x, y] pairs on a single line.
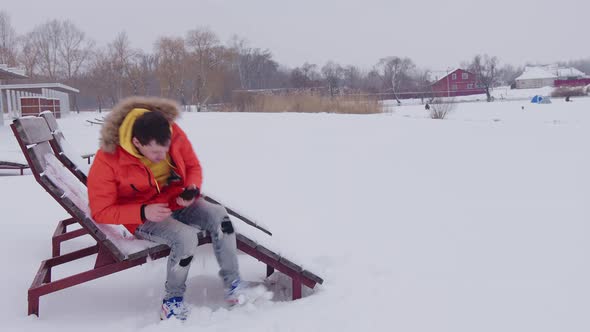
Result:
{"points": [[465, 76], [454, 77], [454, 87], [469, 86]]}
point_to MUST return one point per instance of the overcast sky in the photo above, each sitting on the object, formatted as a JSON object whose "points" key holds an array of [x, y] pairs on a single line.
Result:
{"points": [[436, 34]]}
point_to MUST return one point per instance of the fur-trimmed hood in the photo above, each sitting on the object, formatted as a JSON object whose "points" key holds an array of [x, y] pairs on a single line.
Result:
{"points": [[109, 134]]}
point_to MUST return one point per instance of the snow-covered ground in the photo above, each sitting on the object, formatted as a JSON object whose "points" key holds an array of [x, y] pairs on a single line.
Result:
{"points": [[502, 93], [474, 223]]}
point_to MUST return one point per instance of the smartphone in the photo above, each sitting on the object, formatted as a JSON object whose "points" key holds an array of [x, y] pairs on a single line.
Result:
{"points": [[189, 194]]}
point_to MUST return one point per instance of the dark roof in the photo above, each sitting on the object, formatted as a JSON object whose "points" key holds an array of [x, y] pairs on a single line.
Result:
{"points": [[11, 73]]}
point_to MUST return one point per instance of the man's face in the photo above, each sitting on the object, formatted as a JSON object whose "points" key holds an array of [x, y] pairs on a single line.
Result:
{"points": [[152, 151]]}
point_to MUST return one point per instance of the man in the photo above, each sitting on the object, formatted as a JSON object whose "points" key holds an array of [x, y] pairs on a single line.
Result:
{"points": [[146, 176]]}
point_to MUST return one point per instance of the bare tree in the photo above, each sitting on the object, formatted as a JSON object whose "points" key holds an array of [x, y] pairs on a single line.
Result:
{"points": [[203, 56], [507, 74], [394, 70], [332, 73], [423, 85], [170, 55], [256, 67], [120, 54], [28, 55], [8, 41], [372, 82], [60, 50], [47, 39], [101, 75], [298, 78], [440, 109], [352, 77], [74, 49], [306, 76], [485, 69], [139, 73], [237, 46]]}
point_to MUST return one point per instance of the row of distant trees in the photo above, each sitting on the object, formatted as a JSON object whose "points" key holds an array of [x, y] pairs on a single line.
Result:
{"points": [[199, 69]]}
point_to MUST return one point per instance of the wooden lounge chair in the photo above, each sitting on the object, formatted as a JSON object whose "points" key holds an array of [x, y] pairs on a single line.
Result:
{"points": [[116, 250], [13, 165]]}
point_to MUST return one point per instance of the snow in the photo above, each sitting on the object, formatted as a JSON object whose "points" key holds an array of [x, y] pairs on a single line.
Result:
{"points": [[474, 223], [533, 73], [74, 156], [9, 149], [570, 72], [551, 71]]}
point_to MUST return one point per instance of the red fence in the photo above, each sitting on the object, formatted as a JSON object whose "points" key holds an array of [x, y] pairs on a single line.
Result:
{"points": [[571, 83]]}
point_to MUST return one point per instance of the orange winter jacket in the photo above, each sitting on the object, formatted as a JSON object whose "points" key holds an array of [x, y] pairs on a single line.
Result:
{"points": [[119, 183]]}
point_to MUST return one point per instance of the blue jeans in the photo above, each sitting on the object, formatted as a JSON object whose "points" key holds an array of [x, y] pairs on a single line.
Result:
{"points": [[180, 233]]}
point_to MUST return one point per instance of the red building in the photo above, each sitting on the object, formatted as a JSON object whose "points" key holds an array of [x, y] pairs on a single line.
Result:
{"points": [[454, 83]]}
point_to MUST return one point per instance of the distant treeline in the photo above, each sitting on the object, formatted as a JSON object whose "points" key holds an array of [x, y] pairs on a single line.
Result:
{"points": [[198, 69]]}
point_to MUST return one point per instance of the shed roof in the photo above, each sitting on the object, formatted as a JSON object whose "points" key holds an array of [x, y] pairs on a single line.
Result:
{"points": [[53, 86], [437, 75], [533, 73]]}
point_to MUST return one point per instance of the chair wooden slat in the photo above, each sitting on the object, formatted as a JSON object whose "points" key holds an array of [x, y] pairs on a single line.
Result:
{"points": [[50, 187], [290, 264], [246, 241], [37, 155], [160, 249], [83, 220], [312, 276], [267, 252]]}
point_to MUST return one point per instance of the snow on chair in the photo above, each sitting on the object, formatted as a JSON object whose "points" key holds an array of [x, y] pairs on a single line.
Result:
{"points": [[116, 249], [61, 146]]}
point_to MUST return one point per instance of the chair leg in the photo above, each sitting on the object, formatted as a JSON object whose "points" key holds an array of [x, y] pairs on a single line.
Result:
{"points": [[55, 247], [103, 258], [269, 270], [296, 288], [33, 305]]}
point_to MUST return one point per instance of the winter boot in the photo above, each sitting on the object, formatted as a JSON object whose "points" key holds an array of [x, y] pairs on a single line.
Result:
{"points": [[174, 307], [241, 292]]}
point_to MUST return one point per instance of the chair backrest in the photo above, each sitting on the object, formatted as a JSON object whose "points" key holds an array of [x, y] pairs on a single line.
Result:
{"points": [[62, 149], [50, 119], [34, 138]]}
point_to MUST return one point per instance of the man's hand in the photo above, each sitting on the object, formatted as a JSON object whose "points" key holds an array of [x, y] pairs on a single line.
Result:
{"points": [[183, 202], [157, 212]]}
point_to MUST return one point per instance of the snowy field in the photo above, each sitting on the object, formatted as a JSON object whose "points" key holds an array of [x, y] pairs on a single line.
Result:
{"points": [[500, 94], [472, 224]]}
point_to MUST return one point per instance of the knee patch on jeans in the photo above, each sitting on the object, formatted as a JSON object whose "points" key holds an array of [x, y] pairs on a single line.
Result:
{"points": [[185, 261], [226, 226]]}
